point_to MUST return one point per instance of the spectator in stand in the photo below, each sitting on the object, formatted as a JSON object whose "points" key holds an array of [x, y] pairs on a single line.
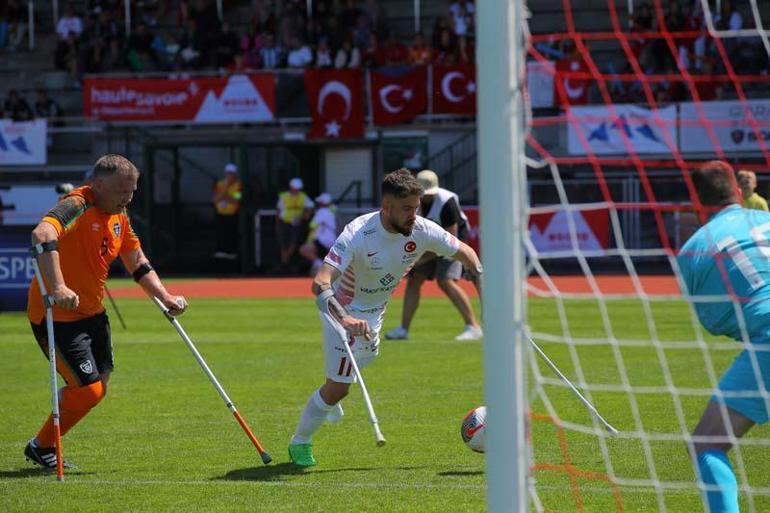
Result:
{"points": [[15, 25], [67, 56], [419, 54], [168, 56], [747, 182], [141, 54], [439, 26], [465, 54], [251, 43], [239, 65], [300, 55], [17, 108], [348, 56], [462, 5], [192, 45], [643, 20], [69, 23], [111, 32], [92, 47], [227, 45], [444, 53], [461, 21], [361, 32], [395, 53], [47, 108], [373, 56], [323, 55], [271, 56]]}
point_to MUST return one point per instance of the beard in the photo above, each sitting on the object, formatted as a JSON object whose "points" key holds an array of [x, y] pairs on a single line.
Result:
{"points": [[403, 229]]}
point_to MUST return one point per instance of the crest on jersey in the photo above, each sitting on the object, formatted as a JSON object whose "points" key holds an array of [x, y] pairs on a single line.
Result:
{"points": [[116, 229], [410, 246]]}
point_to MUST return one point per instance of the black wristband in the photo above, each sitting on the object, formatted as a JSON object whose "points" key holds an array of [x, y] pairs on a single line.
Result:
{"points": [[141, 271], [43, 247]]}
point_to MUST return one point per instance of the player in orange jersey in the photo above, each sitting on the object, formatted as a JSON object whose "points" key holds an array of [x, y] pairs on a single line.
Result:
{"points": [[76, 242]]}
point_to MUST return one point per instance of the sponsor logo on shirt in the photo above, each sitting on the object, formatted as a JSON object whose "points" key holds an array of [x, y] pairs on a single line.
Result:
{"points": [[387, 279], [96, 227], [370, 232], [116, 229], [410, 246]]}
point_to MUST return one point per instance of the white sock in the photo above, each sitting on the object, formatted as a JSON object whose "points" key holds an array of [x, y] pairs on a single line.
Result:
{"points": [[312, 418]]}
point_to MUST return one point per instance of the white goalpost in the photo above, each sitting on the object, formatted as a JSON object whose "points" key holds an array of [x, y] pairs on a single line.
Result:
{"points": [[503, 200]]}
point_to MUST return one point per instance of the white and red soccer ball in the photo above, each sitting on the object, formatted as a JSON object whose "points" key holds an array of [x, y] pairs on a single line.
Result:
{"points": [[473, 429]]}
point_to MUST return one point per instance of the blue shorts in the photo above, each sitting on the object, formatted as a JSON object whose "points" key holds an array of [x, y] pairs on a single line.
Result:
{"points": [[740, 377]]}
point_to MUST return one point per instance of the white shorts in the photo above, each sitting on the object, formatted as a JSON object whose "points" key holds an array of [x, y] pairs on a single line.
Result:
{"points": [[336, 361]]}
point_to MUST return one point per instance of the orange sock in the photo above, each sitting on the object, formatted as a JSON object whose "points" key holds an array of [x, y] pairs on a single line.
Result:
{"points": [[75, 403]]}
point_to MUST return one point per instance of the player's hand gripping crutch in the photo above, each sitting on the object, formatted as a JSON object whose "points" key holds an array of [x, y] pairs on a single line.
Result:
{"points": [[369, 408], [262, 453], [48, 303]]}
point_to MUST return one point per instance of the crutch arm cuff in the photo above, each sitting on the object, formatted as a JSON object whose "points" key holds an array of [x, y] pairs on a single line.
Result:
{"points": [[43, 247]]}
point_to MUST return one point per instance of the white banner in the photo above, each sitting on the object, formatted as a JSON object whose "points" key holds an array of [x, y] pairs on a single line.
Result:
{"points": [[599, 131], [731, 129], [540, 83], [23, 143]]}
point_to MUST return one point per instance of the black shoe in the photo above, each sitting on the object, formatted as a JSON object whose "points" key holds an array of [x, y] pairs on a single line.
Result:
{"points": [[46, 458]]}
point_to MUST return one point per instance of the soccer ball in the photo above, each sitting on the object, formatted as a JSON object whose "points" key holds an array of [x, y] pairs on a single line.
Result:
{"points": [[474, 427]]}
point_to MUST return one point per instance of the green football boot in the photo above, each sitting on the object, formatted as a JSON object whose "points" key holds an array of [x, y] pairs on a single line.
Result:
{"points": [[302, 455]]}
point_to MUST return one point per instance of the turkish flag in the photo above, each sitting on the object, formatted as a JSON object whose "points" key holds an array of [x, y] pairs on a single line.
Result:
{"points": [[454, 90], [575, 89], [336, 99], [398, 98]]}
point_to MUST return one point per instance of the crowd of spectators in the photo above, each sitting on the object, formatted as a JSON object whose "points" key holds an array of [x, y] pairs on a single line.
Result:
{"points": [[335, 34], [692, 49], [17, 108]]}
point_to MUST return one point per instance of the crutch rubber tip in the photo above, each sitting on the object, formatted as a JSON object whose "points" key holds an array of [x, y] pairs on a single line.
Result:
{"points": [[265, 457], [381, 442], [612, 431]]}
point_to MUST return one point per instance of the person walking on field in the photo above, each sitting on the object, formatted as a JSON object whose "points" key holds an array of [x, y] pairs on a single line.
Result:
{"points": [[442, 207], [75, 243]]}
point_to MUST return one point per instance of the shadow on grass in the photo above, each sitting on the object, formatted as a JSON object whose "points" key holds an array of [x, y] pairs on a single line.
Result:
{"points": [[39, 472], [460, 473], [277, 472]]}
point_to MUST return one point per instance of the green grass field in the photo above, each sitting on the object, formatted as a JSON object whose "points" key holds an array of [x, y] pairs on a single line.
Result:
{"points": [[163, 441]]}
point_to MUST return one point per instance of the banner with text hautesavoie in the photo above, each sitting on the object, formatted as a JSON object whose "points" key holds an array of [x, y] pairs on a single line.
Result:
{"points": [[24, 142], [236, 98]]}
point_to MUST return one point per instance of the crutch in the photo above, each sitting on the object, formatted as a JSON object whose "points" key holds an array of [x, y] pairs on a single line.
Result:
{"points": [[115, 307], [48, 303], [369, 408], [262, 453]]}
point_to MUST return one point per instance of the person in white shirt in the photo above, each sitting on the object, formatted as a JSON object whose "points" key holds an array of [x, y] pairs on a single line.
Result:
{"points": [[300, 55], [323, 232], [69, 23], [354, 284], [442, 207]]}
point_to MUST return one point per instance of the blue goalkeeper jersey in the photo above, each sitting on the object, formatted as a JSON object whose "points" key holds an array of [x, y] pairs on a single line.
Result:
{"points": [[730, 256]]}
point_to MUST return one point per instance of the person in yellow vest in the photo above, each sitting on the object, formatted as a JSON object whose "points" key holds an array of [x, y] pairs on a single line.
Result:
{"points": [[294, 209], [747, 181], [227, 202]]}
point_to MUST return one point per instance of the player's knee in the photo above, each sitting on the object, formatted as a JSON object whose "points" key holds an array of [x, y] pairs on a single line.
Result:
{"points": [[445, 285], [83, 398]]}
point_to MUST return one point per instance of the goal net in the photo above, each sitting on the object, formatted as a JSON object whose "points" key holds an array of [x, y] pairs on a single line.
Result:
{"points": [[625, 98]]}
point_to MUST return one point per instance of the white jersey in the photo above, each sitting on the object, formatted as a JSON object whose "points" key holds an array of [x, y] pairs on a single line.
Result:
{"points": [[373, 261]]}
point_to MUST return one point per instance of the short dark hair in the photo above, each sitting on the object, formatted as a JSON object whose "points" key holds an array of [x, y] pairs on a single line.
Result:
{"points": [[111, 163], [715, 183], [401, 183]]}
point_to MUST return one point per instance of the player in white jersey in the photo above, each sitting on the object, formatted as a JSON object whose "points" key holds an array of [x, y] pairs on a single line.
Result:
{"points": [[359, 274]]}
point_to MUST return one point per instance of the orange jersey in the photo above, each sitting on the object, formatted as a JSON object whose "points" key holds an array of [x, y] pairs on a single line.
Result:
{"points": [[89, 240]]}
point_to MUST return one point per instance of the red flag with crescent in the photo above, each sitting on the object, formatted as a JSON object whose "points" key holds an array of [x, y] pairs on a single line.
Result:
{"points": [[454, 90], [336, 100], [575, 89], [398, 97]]}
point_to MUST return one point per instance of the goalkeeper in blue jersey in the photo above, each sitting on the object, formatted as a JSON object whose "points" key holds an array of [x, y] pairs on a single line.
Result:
{"points": [[729, 257]]}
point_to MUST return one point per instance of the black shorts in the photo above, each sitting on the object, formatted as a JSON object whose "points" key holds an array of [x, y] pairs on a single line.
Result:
{"points": [[288, 235], [83, 348]]}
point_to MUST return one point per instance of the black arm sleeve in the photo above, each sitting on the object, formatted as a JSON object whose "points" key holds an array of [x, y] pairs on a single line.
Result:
{"points": [[450, 214]]}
